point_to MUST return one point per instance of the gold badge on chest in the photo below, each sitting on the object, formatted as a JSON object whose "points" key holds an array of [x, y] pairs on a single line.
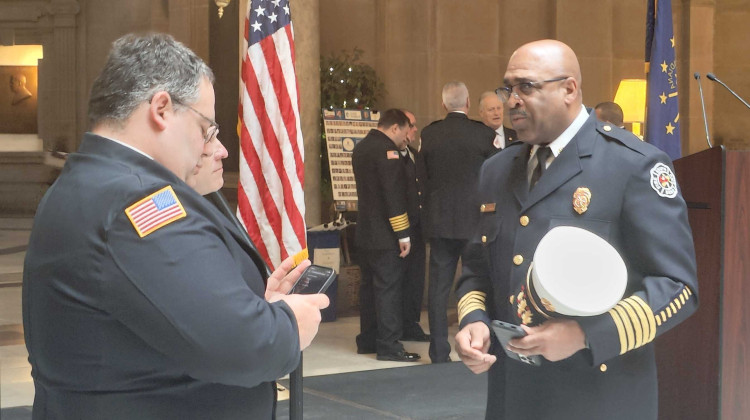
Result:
{"points": [[581, 200]]}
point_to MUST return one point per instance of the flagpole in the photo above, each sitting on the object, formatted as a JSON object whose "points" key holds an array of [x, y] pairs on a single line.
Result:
{"points": [[295, 392]]}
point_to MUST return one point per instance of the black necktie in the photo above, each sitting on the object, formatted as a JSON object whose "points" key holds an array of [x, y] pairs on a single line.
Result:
{"points": [[542, 154]]}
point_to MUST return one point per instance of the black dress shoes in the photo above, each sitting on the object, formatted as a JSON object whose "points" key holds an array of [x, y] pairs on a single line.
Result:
{"points": [[401, 356]]}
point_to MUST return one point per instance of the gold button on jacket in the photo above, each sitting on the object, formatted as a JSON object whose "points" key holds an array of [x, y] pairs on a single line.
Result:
{"points": [[518, 260]]}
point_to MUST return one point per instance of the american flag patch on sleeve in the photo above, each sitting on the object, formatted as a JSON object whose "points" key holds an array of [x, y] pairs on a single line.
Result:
{"points": [[155, 211]]}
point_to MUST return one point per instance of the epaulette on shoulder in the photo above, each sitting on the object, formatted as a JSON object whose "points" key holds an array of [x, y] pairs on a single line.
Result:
{"points": [[624, 137]]}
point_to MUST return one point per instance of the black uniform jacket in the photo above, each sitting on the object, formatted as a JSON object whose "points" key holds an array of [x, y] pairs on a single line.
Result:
{"points": [[415, 196], [381, 191], [453, 150], [636, 206], [171, 325]]}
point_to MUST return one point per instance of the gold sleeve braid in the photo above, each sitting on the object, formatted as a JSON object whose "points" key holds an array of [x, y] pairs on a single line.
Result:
{"points": [[636, 322], [400, 222], [471, 302]]}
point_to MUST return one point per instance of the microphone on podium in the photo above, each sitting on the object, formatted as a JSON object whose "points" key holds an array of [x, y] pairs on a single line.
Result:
{"points": [[703, 107], [715, 79]]}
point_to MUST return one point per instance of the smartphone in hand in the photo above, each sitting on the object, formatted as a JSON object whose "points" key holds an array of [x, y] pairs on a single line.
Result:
{"points": [[504, 333], [315, 279]]}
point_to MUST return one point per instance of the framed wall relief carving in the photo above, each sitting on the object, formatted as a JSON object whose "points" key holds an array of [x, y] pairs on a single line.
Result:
{"points": [[18, 99]]}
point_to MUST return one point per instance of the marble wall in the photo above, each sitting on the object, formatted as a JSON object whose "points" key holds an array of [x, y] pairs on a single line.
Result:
{"points": [[418, 45]]}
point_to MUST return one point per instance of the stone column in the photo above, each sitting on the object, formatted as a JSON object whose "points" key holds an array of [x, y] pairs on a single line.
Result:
{"points": [[305, 18], [696, 34], [59, 131]]}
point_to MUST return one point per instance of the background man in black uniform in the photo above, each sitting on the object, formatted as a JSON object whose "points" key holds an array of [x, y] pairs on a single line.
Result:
{"points": [[491, 112], [609, 112], [140, 299], [414, 276], [382, 236], [599, 178], [453, 150]]}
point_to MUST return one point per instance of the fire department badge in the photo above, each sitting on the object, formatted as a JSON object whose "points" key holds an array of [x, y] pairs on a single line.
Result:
{"points": [[663, 181], [581, 200]]}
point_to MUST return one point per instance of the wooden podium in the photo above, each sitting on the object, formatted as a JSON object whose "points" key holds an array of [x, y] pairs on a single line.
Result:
{"points": [[704, 363]]}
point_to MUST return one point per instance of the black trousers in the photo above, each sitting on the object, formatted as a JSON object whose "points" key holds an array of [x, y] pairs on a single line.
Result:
{"points": [[380, 296], [444, 255], [413, 283]]}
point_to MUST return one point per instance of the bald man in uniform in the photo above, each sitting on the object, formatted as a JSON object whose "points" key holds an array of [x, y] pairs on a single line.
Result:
{"points": [[597, 367]]}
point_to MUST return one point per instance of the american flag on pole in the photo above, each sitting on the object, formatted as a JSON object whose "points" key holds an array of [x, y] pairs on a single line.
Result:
{"points": [[271, 202]]}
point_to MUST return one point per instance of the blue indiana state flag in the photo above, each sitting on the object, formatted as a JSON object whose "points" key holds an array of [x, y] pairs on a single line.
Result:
{"points": [[663, 118]]}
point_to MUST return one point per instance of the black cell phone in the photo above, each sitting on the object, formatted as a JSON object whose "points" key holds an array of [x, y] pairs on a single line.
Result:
{"points": [[504, 333], [315, 279]]}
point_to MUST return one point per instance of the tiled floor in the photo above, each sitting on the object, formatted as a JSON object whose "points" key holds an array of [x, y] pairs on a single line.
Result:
{"points": [[333, 350]]}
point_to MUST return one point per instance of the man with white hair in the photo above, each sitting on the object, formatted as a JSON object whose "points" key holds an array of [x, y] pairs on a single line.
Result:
{"points": [[491, 112], [453, 149]]}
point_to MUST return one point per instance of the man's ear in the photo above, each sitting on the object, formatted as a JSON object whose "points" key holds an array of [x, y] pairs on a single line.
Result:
{"points": [[161, 110], [571, 89]]}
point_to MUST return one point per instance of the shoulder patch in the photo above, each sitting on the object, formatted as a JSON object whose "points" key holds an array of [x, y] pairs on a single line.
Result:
{"points": [[663, 181], [392, 154], [155, 211]]}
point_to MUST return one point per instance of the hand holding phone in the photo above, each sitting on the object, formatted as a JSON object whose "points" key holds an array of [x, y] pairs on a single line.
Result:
{"points": [[506, 332], [315, 279]]}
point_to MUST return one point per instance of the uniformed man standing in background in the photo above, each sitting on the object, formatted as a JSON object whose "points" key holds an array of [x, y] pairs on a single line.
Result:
{"points": [[414, 276], [382, 236], [453, 150]]}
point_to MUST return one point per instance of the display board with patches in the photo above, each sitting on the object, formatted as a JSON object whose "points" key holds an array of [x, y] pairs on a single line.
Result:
{"points": [[344, 128]]}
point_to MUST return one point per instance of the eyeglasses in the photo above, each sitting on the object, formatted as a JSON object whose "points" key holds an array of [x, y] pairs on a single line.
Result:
{"points": [[523, 88], [213, 129]]}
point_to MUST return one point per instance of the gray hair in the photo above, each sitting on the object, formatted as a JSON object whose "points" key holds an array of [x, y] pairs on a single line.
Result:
{"points": [[139, 66], [484, 96], [455, 95]]}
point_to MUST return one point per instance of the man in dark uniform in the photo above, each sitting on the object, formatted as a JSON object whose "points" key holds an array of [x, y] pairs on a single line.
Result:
{"points": [[491, 112], [414, 276], [382, 236], [453, 150], [140, 299], [610, 112], [597, 177]]}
